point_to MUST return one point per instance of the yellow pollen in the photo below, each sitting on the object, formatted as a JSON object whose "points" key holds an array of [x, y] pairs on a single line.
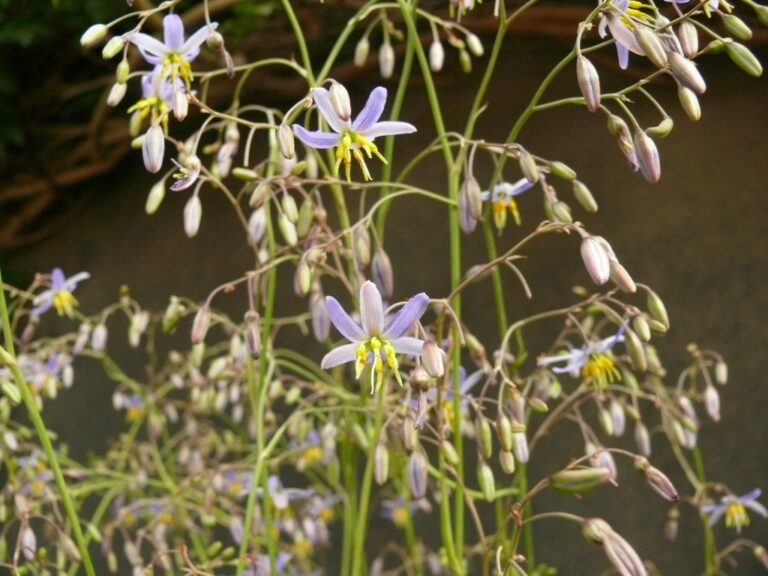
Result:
{"points": [[601, 371], [354, 145], [379, 349], [64, 302], [400, 516], [736, 516], [134, 413], [313, 455]]}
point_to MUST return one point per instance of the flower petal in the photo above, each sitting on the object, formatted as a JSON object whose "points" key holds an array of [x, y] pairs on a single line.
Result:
{"points": [[388, 128], [371, 309], [756, 507], [43, 308], [372, 111], [715, 513], [72, 282], [318, 139], [340, 355], [323, 101], [191, 47], [408, 345], [57, 279], [150, 47], [342, 321], [407, 316], [173, 32], [510, 190]]}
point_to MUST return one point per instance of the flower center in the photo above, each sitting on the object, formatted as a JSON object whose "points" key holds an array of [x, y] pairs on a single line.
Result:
{"points": [[736, 516], [635, 12], [350, 147], [64, 302], [500, 208], [313, 455], [376, 351], [400, 516], [601, 371], [176, 66]]}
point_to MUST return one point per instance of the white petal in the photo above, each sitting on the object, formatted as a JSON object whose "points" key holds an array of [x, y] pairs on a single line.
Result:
{"points": [[323, 102], [408, 345], [341, 355], [371, 309], [388, 128]]}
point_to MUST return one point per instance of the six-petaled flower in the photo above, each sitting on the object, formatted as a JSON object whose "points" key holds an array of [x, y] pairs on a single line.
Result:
{"points": [[502, 199], [355, 139], [735, 509], [59, 295], [375, 341]]}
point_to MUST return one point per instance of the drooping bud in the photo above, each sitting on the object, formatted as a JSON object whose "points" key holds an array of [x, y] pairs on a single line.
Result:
{"points": [[381, 271], [662, 129], [285, 141], [689, 102], [290, 209], [303, 278], [465, 61], [721, 373], [471, 188], [486, 480], [381, 464], [507, 461], [484, 437], [744, 59], [657, 309], [28, 542], [287, 229], [560, 212], [657, 480], [362, 48], [99, 337], [622, 278], [641, 327], [193, 215], [95, 34], [635, 350], [595, 260], [651, 44], [257, 225], [432, 359], [580, 480], [562, 170], [123, 69], [736, 27], [361, 244], [116, 94], [467, 222], [686, 73], [200, 324], [589, 83], [386, 60], [504, 432], [436, 56], [155, 197], [417, 474], [153, 148], [642, 439], [584, 196], [672, 525], [475, 45], [689, 38], [712, 402], [321, 321], [647, 156], [340, 101], [761, 555], [113, 47], [180, 105], [449, 453]]}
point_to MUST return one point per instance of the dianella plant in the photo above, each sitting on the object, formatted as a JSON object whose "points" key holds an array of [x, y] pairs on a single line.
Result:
{"points": [[343, 426]]}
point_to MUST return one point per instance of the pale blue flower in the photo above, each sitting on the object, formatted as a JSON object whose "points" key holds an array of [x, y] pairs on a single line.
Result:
{"points": [[502, 199], [59, 295], [354, 139], [398, 511], [734, 509], [376, 340]]}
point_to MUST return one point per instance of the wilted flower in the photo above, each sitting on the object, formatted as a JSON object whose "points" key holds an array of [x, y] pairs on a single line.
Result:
{"points": [[502, 199], [352, 140], [735, 509], [59, 295], [375, 341]]}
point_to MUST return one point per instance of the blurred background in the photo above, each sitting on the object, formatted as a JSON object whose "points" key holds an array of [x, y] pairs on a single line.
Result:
{"points": [[72, 195]]}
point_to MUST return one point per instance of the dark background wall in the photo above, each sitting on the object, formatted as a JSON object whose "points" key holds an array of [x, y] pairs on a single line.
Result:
{"points": [[698, 237]]}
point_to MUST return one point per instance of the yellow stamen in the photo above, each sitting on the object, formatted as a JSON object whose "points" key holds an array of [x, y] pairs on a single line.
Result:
{"points": [[736, 516], [64, 302], [601, 371], [313, 455]]}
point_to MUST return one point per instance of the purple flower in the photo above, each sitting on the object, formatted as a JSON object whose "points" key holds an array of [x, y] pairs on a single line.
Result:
{"points": [[59, 295], [734, 508], [375, 341], [352, 139], [593, 360], [503, 198], [398, 511], [621, 20], [174, 54]]}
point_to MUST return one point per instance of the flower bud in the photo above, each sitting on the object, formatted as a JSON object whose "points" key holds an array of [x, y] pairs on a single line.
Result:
{"points": [[504, 432], [651, 44], [744, 59], [193, 214], [467, 222], [381, 464], [410, 434], [475, 45], [622, 278], [736, 27], [484, 437], [584, 196], [386, 60], [432, 359], [595, 530], [417, 474], [486, 480], [290, 209], [689, 38], [589, 83], [113, 47], [712, 402], [28, 542], [471, 188], [657, 480], [647, 156], [200, 324], [123, 69], [362, 49], [287, 229], [465, 61], [180, 105], [285, 141], [595, 260], [689, 102], [116, 94], [436, 56], [635, 350], [580, 480], [528, 166], [520, 447], [642, 439], [340, 101], [760, 553], [321, 322], [662, 129], [449, 453], [657, 309], [721, 373], [361, 244], [99, 337], [686, 73], [562, 170], [381, 271], [560, 212], [153, 148], [303, 278], [95, 34], [257, 225], [641, 327], [507, 461]]}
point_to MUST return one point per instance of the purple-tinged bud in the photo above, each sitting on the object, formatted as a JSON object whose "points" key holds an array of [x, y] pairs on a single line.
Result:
{"points": [[180, 105], [28, 542], [200, 324], [153, 148], [736, 27], [436, 56], [417, 474], [618, 418], [686, 73], [657, 480], [381, 272], [657, 309], [113, 47], [471, 189], [381, 464], [520, 447], [361, 244], [599, 457], [410, 434], [689, 38], [662, 129], [193, 215], [621, 278], [647, 156], [528, 166], [642, 439], [321, 321], [116, 94], [95, 34], [562, 170], [589, 83], [672, 525], [689, 103], [641, 327], [287, 229], [253, 334], [623, 557], [504, 431], [651, 44], [721, 373], [580, 480], [712, 402], [595, 260], [257, 225], [484, 437], [486, 480], [99, 337], [286, 142], [432, 359], [744, 59], [467, 222], [584, 197], [386, 60], [507, 461], [340, 101], [595, 530]]}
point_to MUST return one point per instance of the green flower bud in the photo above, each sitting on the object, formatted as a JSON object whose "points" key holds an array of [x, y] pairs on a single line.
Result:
{"points": [[113, 47], [736, 27], [744, 59], [93, 35], [486, 480], [579, 480], [584, 196], [562, 170]]}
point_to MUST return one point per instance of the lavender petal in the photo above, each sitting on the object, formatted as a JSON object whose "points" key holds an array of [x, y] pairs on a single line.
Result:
{"points": [[340, 355], [388, 128], [173, 29], [407, 316], [191, 47], [342, 321], [371, 309], [408, 345], [318, 140], [372, 111], [323, 101]]}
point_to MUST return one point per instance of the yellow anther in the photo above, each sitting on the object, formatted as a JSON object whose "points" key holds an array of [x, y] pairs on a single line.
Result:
{"points": [[736, 515], [601, 371], [400, 516], [64, 302], [499, 209], [362, 359], [313, 455]]}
